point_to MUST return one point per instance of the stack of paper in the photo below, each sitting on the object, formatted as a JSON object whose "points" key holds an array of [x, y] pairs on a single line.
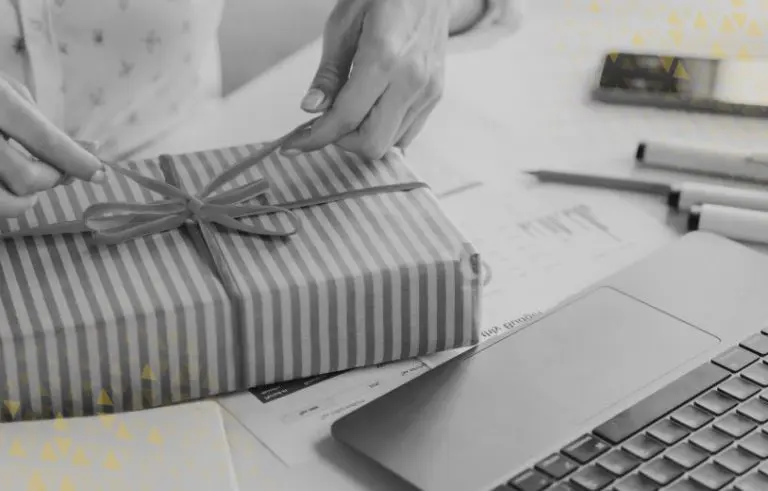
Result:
{"points": [[172, 448]]}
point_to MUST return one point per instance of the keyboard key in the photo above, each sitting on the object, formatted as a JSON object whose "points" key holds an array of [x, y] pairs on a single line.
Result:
{"points": [[618, 462], [757, 343], [502, 487], [686, 485], [662, 471], [585, 449], [757, 444], [716, 403], [753, 482], [737, 460], [712, 476], [711, 440], [636, 482], [756, 410], [668, 431], [563, 486], [666, 399], [735, 359], [735, 425], [757, 373], [557, 466], [687, 455], [530, 480], [643, 447], [592, 478], [739, 388], [692, 417]]}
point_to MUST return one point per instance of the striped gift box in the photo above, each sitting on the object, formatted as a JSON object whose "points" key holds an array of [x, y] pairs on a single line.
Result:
{"points": [[87, 328]]}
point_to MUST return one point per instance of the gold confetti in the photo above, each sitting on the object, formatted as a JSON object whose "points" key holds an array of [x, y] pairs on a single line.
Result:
{"points": [[680, 72], [594, 7], [717, 51], [674, 19], [743, 54], [17, 450], [677, 37], [80, 458], [737, 3], [700, 22], [67, 485], [36, 483], [60, 423], [740, 18], [13, 407], [666, 62], [48, 454], [637, 40], [111, 462], [754, 29], [104, 399], [727, 26], [155, 437], [122, 432], [63, 444], [147, 374]]}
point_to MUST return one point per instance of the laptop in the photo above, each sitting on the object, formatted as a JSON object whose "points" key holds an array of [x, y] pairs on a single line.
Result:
{"points": [[654, 378]]}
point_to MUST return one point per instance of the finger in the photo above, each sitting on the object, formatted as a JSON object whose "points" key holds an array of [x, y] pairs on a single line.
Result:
{"points": [[12, 206], [24, 123], [366, 83], [23, 175], [20, 88], [413, 130], [377, 133], [340, 37]]}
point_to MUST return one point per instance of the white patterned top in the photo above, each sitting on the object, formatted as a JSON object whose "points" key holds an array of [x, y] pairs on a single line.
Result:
{"points": [[124, 72]]}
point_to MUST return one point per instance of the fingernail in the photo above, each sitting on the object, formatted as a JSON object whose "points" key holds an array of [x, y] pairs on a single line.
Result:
{"points": [[290, 152], [312, 100], [99, 176]]}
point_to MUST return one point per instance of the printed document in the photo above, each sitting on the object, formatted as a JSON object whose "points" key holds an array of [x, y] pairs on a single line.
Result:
{"points": [[537, 248]]}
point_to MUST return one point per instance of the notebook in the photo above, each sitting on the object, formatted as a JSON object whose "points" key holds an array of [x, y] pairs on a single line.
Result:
{"points": [[171, 448]]}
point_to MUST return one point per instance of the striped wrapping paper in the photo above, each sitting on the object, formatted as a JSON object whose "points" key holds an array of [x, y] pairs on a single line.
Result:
{"points": [[87, 328]]}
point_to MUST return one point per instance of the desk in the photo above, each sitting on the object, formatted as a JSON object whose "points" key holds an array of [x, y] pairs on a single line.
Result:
{"points": [[519, 105]]}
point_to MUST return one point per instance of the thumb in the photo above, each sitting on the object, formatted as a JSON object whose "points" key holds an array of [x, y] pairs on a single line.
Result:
{"points": [[332, 74]]}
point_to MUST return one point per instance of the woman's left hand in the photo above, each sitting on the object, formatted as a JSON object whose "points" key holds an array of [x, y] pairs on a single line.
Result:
{"points": [[380, 76]]}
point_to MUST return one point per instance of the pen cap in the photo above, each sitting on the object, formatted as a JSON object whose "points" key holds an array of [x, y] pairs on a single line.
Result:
{"points": [[734, 223], [686, 195]]}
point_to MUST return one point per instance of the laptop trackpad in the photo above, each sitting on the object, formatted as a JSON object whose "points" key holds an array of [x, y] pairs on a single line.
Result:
{"points": [[600, 349]]}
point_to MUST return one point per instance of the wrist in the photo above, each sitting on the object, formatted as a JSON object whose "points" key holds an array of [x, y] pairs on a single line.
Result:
{"points": [[465, 14]]}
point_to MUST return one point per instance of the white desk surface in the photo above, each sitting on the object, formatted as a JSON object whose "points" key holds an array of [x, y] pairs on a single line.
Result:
{"points": [[522, 104]]}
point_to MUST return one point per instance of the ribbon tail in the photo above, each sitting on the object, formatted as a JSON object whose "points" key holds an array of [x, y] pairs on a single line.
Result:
{"points": [[61, 228]]}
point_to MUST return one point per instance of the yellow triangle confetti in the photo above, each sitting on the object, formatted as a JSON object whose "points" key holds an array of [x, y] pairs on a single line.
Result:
{"points": [[637, 40], [666, 62], [111, 462], [737, 3], [594, 7], [754, 29], [700, 22], [740, 18], [17, 450], [79, 458], [122, 432], [677, 37], [107, 420], [48, 454], [717, 51], [36, 483], [60, 423], [13, 407], [63, 444], [743, 54], [727, 25], [67, 485], [147, 374], [155, 437], [674, 19], [104, 399]]}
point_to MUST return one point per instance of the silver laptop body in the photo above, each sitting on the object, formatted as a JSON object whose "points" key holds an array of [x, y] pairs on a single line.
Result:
{"points": [[506, 405]]}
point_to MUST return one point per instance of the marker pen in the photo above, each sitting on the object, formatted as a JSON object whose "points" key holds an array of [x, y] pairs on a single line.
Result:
{"points": [[683, 196], [734, 223], [667, 156]]}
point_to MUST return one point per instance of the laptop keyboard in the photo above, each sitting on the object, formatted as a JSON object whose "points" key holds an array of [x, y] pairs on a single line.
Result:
{"points": [[706, 431]]}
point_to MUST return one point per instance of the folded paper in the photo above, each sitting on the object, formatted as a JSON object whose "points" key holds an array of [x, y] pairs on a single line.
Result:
{"points": [[206, 273]]}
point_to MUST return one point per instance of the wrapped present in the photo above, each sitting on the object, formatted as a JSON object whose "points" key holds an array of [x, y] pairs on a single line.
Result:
{"points": [[207, 273]]}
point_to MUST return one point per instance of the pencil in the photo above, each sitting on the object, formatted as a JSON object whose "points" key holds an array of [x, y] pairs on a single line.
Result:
{"points": [[603, 181]]}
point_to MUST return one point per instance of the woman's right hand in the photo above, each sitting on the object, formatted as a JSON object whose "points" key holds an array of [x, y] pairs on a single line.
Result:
{"points": [[35, 155]]}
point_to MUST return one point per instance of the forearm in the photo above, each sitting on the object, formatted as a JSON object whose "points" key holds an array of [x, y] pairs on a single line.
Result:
{"points": [[465, 14]]}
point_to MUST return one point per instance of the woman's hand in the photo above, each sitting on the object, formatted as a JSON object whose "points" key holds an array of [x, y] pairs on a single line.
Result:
{"points": [[381, 74], [34, 154]]}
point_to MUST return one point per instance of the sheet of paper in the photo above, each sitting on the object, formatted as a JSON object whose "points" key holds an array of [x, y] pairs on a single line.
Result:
{"points": [[175, 447], [539, 247]]}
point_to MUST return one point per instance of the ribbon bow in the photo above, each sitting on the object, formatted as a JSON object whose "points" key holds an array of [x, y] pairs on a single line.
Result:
{"points": [[113, 223]]}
